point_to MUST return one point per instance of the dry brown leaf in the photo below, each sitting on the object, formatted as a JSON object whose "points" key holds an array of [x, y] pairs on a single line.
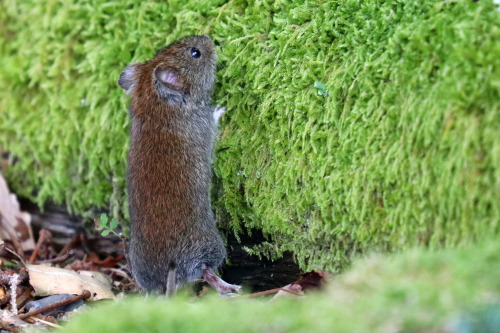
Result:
{"points": [[51, 280], [15, 225], [109, 262], [93, 263]]}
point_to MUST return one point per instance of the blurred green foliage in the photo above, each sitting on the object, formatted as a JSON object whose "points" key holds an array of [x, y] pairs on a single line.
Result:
{"points": [[419, 291], [403, 150]]}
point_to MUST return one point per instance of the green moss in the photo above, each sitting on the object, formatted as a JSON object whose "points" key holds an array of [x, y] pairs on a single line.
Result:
{"points": [[411, 292], [403, 151]]}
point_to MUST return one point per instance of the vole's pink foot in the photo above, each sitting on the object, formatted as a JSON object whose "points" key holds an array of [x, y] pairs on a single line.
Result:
{"points": [[220, 285], [218, 112]]}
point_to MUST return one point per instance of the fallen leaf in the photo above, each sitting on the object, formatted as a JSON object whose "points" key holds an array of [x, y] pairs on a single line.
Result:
{"points": [[51, 280], [93, 263], [15, 225], [109, 262]]}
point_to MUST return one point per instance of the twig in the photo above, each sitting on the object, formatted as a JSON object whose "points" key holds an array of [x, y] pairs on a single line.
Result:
{"points": [[265, 292], [85, 295], [16, 255], [44, 234], [130, 284], [117, 271], [48, 323], [55, 260], [24, 297], [75, 241]]}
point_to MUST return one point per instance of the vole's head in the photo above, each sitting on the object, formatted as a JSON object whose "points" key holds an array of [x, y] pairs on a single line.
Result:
{"points": [[183, 71]]}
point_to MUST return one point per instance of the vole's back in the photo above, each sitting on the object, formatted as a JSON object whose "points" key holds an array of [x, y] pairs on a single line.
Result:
{"points": [[172, 222], [169, 168]]}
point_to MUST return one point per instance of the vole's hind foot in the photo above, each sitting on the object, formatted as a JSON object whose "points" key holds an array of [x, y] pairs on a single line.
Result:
{"points": [[218, 112], [220, 285]]}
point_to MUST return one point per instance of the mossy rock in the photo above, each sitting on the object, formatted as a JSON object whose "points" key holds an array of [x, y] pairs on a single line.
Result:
{"points": [[399, 149], [418, 291]]}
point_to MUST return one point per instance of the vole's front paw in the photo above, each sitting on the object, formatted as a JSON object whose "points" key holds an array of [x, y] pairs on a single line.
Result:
{"points": [[218, 112]]}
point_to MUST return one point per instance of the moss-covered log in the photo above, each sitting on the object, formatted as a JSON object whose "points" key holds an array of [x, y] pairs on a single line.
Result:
{"points": [[403, 149]]}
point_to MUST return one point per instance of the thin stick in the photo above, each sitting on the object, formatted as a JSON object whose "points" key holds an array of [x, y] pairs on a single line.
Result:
{"points": [[43, 235], [117, 271], [85, 295], [16, 255], [54, 260], [69, 246], [265, 292], [48, 323], [23, 298]]}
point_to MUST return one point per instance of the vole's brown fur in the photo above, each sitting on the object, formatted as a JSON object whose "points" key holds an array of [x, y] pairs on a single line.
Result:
{"points": [[172, 132]]}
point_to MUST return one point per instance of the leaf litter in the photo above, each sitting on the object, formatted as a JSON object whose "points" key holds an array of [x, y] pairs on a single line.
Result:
{"points": [[38, 278], [41, 286]]}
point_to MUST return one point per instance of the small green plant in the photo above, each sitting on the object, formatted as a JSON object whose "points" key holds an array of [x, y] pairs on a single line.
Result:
{"points": [[106, 226], [321, 88], [9, 264]]}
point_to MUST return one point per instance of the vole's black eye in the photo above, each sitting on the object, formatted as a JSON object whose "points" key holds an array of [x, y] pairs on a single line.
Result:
{"points": [[195, 53]]}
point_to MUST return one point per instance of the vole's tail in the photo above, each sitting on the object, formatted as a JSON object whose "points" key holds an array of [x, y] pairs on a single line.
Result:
{"points": [[171, 279]]}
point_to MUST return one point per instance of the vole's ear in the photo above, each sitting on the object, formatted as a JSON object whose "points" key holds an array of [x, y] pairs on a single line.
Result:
{"points": [[171, 82], [127, 77]]}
